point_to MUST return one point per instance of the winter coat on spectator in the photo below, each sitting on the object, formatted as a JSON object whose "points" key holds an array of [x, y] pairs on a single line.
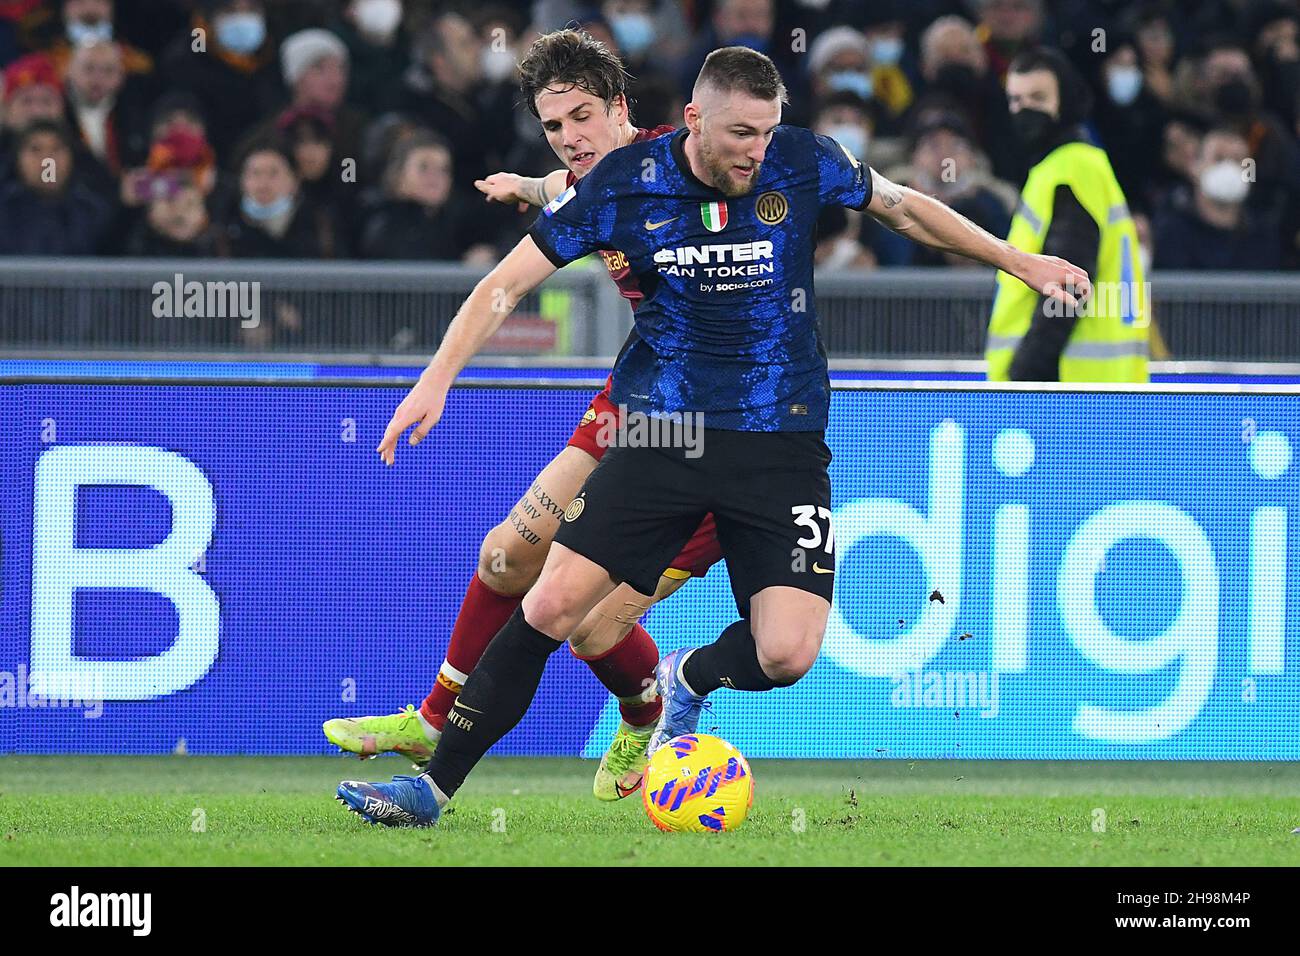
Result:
{"points": [[404, 229], [72, 223], [311, 233], [145, 241], [375, 75], [236, 92], [1183, 240]]}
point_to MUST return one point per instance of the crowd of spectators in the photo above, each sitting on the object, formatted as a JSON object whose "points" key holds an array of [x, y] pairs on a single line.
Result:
{"points": [[356, 128]]}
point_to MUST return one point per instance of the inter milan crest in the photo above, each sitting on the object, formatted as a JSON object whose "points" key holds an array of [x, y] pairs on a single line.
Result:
{"points": [[771, 208], [714, 215]]}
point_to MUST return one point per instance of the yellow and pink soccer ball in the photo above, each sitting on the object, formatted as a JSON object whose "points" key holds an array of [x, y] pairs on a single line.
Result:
{"points": [[697, 783]]}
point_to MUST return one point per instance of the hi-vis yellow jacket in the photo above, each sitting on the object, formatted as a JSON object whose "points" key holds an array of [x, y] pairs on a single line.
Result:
{"points": [[1110, 340]]}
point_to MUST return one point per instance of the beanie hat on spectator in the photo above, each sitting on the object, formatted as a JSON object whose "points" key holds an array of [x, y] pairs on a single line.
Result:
{"points": [[35, 69], [300, 50], [832, 43], [181, 149], [15, 10]]}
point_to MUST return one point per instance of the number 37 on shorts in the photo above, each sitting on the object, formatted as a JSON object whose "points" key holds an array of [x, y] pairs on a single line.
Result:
{"points": [[819, 536]]}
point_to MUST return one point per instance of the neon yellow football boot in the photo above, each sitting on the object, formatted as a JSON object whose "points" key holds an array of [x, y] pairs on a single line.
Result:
{"points": [[620, 770], [406, 733]]}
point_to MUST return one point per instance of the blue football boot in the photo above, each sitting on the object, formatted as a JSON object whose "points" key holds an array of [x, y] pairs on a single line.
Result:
{"points": [[406, 802]]}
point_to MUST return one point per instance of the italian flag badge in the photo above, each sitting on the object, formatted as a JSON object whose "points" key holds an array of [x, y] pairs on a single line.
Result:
{"points": [[714, 215]]}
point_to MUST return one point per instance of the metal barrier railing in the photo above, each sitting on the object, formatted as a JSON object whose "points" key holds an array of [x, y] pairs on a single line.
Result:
{"points": [[404, 309], [273, 306]]}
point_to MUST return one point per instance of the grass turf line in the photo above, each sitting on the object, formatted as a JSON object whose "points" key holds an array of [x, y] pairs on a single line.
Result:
{"points": [[280, 811]]}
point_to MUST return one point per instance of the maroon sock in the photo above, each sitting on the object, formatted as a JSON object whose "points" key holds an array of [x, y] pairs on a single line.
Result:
{"points": [[628, 670], [482, 614]]}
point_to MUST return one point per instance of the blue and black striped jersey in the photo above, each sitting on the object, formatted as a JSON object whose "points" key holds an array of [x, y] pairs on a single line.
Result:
{"points": [[728, 326]]}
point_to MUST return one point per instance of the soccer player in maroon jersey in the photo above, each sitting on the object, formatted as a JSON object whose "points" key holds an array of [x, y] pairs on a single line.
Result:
{"points": [[576, 87]]}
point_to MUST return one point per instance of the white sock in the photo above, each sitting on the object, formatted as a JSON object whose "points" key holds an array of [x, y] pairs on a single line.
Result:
{"points": [[431, 733], [682, 677], [438, 795]]}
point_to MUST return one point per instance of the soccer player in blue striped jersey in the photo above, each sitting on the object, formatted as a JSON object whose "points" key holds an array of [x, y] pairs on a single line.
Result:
{"points": [[717, 222]]}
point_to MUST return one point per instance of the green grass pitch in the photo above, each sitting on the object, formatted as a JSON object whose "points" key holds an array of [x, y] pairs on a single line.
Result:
{"points": [[279, 811]]}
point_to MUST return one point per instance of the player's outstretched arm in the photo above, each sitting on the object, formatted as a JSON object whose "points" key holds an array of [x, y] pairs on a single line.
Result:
{"points": [[524, 190], [495, 297], [929, 222]]}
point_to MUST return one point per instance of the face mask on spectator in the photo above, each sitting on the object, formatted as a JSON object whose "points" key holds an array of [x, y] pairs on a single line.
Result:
{"points": [[851, 81], [497, 65], [379, 18], [241, 32], [262, 212], [1223, 182], [1124, 83], [83, 34], [957, 78], [1032, 127], [634, 32], [886, 51], [852, 137], [1234, 98]]}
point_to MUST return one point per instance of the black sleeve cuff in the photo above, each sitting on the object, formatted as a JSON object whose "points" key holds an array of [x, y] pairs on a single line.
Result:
{"points": [[871, 190], [556, 259]]}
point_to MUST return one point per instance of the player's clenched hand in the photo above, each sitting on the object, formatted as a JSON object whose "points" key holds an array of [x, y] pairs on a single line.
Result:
{"points": [[503, 187], [422, 407], [1055, 278]]}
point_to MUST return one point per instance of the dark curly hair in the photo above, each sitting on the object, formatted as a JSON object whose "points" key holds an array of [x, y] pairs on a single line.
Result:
{"points": [[571, 59]]}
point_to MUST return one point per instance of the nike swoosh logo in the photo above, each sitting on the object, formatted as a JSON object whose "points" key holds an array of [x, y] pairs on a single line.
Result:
{"points": [[472, 710], [820, 570], [652, 226]]}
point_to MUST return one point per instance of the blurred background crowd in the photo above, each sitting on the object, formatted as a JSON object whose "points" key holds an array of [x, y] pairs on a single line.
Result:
{"points": [[355, 128]]}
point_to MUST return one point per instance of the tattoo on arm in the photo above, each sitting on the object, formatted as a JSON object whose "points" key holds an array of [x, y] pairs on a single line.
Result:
{"points": [[522, 529], [534, 191], [889, 192], [545, 500]]}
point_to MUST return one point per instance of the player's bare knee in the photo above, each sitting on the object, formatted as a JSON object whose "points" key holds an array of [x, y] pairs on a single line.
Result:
{"points": [[549, 610], [507, 563], [786, 661]]}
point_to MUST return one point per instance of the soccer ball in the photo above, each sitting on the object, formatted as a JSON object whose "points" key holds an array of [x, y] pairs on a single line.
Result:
{"points": [[697, 783]]}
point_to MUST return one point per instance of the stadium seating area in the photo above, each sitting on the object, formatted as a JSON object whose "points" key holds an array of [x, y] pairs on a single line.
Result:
{"points": [[319, 129]]}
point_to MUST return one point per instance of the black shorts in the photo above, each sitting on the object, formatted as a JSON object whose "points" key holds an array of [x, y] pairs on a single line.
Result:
{"points": [[769, 492]]}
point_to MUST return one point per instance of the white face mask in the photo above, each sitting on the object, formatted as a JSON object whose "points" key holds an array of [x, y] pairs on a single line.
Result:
{"points": [[84, 34], [852, 137], [1124, 83], [379, 18], [497, 65], [1224, 182]]}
